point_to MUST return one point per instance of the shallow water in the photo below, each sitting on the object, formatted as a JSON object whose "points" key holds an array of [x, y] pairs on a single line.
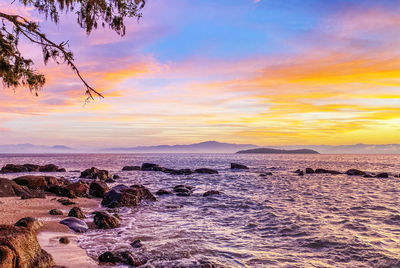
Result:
{"points": [[282, 220]]}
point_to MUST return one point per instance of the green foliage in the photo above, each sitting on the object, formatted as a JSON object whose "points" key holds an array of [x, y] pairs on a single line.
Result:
{"points": [[17, 70]]}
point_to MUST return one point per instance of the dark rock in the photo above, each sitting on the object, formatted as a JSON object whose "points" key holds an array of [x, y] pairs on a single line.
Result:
{"points": [[96, 174], [49, 168], [163, 192], [184, 171], [65, 201], [77, 212], [131, 168], [310, 171], [10, 188], [183, 190], [298, 171], [206, 171], [368, 176], [104, 220], [61, 170], [151, 167], [32, 168], [98, 189], [266, 174], [19, 248], [382, 175], [327, 171], [75, 224], [55, 212], [64, 240], [301, 173], [122, 196], [238, 166], [110, 180], [116, 177], [212, 192], [355, 172], [30, 223], [124, 257], [10, 168], [60, 191], [32, 182], [78, 189], [34, 194], [137, 244]]}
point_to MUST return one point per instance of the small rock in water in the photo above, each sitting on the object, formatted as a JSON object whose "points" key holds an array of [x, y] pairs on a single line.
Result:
{"points": [[298, 171], [383, 175], [238, 166], [310, 171], [116, 177], [163, 192], [130, 168], [104, 220], [55, 212], [301, 173], [137, 244], [76, 212], [206, 171], [183, 190], [212, 192], [75, 224], [355, 172], [265, 174], [64, 240], [124, 257]]}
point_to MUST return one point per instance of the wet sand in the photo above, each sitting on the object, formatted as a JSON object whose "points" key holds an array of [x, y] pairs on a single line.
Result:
{"points": [[13, 208]]}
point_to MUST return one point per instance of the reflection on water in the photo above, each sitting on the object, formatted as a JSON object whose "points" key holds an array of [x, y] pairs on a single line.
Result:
{"points": [[283, 220]]}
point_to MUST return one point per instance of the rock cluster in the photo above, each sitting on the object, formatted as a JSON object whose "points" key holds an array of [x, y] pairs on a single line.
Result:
{"points": [[11, 168], [124, 196], [96, 174], [156, 167]]}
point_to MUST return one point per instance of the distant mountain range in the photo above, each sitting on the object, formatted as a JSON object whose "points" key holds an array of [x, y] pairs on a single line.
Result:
{"points": [[276, 151], [203, 147]]}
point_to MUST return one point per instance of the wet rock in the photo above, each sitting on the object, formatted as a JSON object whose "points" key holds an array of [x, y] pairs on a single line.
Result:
{"points": [[368, 176], [382, 175], [123, 196], [9, 188], [298, 171], [55, 212], [104, 220], [116, 177], [137, 244], [65, 201], [206, 171], [30, 223], [61, 170], [32, 182], [131, 168], [110, 180], [238, 166], [78, 189], [64, 240], [163, 192], [98, 189], [327, 171], [151, 167], [301, 173], [266, 174], [310, 171], [60, 191], [355, 172], [10, 168], [75, 224], [124, 257], [183, 190], [212, 192], [77, 212], [96, 174], [49, 168], [184, 171], [19, 248]]}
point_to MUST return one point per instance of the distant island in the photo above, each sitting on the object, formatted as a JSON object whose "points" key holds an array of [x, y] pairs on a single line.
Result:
{"points": [[276, 151]]}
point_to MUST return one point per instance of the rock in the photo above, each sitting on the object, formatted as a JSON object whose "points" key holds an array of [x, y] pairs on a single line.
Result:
{"points": [[116, 177], [184, 171], [60, 191], [96, 174], [30, 223], [10, 168], [130, 168], [65, 201], [266, 174], [34, 194], [123, 196], [55, 212], [98, 189], [124, 257], [212, 192], [48, 168], [61, 170], [76, 212], [151, 167], [301, 173], [78, 189], [238, 166], [104, 220], [137, 244], [163, 192], [310, 171], [19, 248], [206, 171], [327, 171], [32, 182], [382, 175], [109, 181], [64, 240], [298, 171], [355, 172], [75, 224], [183, 190], [368, 176], [9, 188]]}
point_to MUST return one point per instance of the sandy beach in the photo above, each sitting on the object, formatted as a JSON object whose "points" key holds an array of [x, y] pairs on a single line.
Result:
{"points": [[70, 255]]}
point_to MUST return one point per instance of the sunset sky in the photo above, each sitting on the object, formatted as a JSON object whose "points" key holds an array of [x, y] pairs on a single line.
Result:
{"points": [[266, 72]]}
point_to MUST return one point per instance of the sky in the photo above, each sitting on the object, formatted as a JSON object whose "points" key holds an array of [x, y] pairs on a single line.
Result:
{"points": [[265, 72]]}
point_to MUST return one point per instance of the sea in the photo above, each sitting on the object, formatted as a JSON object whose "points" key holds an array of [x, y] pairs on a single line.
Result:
{"points": [[279, 220]]}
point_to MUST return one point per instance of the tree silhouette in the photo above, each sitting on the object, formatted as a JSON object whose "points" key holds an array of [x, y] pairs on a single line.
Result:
{"points": [[17, 69]]}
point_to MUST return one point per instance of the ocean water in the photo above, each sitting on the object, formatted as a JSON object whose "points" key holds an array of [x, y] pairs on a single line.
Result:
{"points": [[283, 220]]}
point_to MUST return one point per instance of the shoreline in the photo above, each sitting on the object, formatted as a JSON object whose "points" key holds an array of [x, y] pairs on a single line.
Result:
{"points": [[69, 255]]}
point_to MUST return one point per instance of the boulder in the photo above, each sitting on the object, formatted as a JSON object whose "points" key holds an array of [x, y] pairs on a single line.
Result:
{"points": [[104, 220], [137, 244], [55, 212], [31, 167], [131, 168], [163, 192], [123, 196], [77, 212], [96, 174], [98, 189], [30, 223], [124, 257], [10, 168], [355, 172], [19, 248], [310, 171], [60, 191], [32, 182], [49, 168], [61, 170], [78, 189], [301, 173], [9, 188], [238, 166], [183, 190], [382, 175], [151, 167], [206, 171], [116, 177], [212, 192], [75, 224]]}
